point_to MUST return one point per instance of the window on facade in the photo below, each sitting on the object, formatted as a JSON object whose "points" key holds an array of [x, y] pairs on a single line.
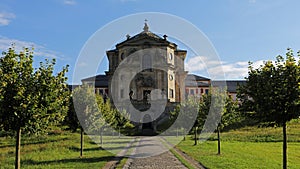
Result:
{"points": [[206, 91], [201, 91], [146, 62], [171, 93], [90, 84], [170, 56], [101, 91], [171, 77], [122, 56], [192, 91], [122, 93], [197, 91]]}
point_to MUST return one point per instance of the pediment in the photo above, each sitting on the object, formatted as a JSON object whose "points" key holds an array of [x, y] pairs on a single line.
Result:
{"points": [[144, 38]]}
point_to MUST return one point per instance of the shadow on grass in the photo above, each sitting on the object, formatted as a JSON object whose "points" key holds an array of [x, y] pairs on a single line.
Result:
{"points": [[132, 146], [36, 142], [71, 160], [110, 142], [74, 148]]}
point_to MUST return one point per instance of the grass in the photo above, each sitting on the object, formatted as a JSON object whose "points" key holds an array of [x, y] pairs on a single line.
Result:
{"points": [[249, 147], [55, 151]]}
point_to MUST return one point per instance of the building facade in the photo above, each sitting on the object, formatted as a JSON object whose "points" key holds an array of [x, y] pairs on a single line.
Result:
{"points": [[145, 64]]}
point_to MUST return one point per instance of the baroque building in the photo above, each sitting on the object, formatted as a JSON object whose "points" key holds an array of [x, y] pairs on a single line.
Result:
{"points": [[148, 69], [160, 64]]}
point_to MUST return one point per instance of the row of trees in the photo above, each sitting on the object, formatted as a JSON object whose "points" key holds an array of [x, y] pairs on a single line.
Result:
{"points": [[32, 99], [271, 97], [91, 113], [216, 108]]}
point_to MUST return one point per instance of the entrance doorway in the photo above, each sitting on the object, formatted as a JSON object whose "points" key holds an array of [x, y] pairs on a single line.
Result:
{"points": [[146, 95], [147, 122]]}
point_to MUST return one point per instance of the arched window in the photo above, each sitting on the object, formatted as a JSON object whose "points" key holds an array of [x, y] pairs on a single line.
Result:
{"points": [[122, 56]]}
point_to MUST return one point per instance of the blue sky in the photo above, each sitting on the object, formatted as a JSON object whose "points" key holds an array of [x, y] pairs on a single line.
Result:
{"points": [[240, 30]]}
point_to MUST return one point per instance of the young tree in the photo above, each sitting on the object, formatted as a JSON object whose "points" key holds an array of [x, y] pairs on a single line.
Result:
{"points": [[85, 105], [30, 100], [186, 112], [230, 115], [272, 93], [223, 111], [102, 117], [71, 119]]}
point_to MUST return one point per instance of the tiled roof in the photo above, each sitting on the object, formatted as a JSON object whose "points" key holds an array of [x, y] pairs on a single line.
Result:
{"points": [[190, 81], [100, 80], [196, 77], [232, 85]]}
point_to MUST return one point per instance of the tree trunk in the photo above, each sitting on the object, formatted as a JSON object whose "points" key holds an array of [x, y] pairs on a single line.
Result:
{"points": [[219, 140], [195, 136], [101, 140], [81, 142], [284, 147], [18, 147]]}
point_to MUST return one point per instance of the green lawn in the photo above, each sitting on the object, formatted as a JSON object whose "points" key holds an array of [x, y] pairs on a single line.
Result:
{"points": [[249, 147], [55, 151]]}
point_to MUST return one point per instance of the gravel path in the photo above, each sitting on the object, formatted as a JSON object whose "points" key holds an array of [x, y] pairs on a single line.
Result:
{"points": [[151, 153]]}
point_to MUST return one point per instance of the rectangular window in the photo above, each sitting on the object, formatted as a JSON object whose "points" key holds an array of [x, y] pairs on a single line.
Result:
{"points": [[90, 84], [122, 93], [101, 91], [201, 91], [171, 93], [192, 92], [197, 91], [206, 91], [147, 62]]}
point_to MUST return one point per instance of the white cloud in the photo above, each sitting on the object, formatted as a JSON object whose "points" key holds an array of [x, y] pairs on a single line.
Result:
{"points": [[199, 63], [5, 18], [229, 71], [39, 50], [69, 2], [220, 69]]}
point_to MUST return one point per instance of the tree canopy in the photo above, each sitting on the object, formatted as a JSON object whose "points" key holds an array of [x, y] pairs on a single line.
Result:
{"points": [[272, 92], [31, 99]]}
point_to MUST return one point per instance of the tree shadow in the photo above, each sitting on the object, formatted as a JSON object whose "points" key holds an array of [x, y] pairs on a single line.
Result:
{"points": [[74, 148], [132, 146], [71, 160], [35, 142]]}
